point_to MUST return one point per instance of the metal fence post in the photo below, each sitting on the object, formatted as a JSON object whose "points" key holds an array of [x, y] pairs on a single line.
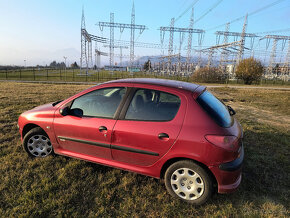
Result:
{"points": [[6, 73], [20, 76], [60, 73], [46, 74]]}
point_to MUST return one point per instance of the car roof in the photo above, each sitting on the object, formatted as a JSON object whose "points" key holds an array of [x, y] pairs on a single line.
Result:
{"points": [[161, 82]]}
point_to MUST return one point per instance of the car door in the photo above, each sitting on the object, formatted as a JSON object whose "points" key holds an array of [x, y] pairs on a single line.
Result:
{"points": [[91, 133], [148, 126]]}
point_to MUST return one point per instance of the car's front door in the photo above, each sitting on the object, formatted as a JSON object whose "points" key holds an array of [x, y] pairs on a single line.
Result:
{"points": [[149, 127], [91, 133]]}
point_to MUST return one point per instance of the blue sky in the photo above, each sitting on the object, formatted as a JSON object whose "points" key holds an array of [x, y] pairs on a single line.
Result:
{"points": [[46, 30]]}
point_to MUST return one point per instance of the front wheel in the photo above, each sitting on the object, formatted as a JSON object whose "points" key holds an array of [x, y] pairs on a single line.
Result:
{"points": [[189, 182], [37, 143]]}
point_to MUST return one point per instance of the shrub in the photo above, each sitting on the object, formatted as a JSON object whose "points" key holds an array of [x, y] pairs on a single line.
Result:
{"points": [[249, 70], [209, 75]]}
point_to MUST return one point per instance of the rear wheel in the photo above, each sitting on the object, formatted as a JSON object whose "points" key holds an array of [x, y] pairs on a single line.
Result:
{"points": [[37, 143], [189, 182]]}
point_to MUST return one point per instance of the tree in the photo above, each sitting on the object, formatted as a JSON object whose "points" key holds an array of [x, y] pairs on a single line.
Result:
{"points": [[208, 75], [249, 70], [147, 65], [74, 65]]}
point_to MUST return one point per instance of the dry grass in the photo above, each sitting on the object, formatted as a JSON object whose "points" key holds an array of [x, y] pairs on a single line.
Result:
{"points": [[59, 186]]}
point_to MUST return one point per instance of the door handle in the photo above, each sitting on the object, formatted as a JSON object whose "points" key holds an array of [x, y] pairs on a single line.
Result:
{"points": [[103, 129], [163, 136]]}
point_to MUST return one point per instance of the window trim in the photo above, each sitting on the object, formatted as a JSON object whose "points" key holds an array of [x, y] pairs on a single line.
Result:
{"points": [[130, 98], [119, 108]]}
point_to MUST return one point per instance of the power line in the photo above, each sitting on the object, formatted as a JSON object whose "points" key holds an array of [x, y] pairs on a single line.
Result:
{"points": [[186, 10], [249, 14], [274, 31], [209, 10]]}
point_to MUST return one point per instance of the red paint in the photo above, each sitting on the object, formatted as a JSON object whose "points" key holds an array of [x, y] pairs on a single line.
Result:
{"points": [[186, 132]]}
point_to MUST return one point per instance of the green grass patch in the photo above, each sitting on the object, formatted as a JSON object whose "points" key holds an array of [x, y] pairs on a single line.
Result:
{"points": [[60, 186]]}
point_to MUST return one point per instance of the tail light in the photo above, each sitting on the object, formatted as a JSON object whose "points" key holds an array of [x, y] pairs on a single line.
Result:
{"points": [[225, 142]]}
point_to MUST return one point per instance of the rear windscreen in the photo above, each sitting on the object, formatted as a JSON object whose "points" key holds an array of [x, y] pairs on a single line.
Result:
{"points": [[217, 110]]}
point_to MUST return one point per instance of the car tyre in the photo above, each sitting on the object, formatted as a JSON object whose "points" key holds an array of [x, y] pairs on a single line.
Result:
{"points": [[189, 182], [37, 143]]}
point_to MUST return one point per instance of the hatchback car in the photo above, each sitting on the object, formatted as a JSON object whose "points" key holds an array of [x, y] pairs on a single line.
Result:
{"points": [[165, 129]]}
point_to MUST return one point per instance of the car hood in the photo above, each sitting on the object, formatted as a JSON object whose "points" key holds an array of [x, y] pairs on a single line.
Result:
{"points": [[46, 110]]}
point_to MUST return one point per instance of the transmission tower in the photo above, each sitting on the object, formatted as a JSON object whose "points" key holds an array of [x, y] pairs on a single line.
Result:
{"points": [[181, 38], [173, 29], [189, 43], [83, 59], [132, 39], [286, 65], [170, 46], [272, 60], [224, 52], [242, 43], [122, 26]]}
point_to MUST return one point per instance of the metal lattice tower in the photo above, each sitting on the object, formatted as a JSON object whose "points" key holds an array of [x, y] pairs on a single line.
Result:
{"points": [[170, 46], [181, 38], [276, 38], [90, 56], [200, 40], [189, 43], [224, 53], [287, 58], [210, 54], [173, 29], [83, 59], [242, 44], [132, 39], [122, 26], [287, 61], [273, 57], [111, 40]]}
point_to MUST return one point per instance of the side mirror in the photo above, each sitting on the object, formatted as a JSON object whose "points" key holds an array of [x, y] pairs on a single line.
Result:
{"points": [[76, 112], [64, 111]]}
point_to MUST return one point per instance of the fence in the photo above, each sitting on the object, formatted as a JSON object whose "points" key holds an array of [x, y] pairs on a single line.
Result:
{"points": [[74, 75]]}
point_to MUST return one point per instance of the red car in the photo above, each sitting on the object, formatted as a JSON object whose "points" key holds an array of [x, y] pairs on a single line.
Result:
{"points": [[161, 128]]}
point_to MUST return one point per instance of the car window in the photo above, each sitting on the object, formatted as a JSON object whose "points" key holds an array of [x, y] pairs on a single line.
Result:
{"points": [[216, 109], [100, 103], [153, 105]]}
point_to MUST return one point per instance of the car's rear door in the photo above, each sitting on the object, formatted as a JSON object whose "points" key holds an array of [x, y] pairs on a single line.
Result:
{"points": [[91, 133], [148, 125]]}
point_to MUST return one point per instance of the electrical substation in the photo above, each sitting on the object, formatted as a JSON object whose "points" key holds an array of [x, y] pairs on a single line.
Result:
{"points": [[179, 55]]}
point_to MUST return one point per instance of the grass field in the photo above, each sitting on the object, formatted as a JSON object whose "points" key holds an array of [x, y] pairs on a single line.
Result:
{"points": [[60, 186]]}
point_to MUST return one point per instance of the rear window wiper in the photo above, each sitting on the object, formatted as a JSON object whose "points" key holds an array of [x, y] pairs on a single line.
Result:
{"points": [[231, 110], [55, 103]]}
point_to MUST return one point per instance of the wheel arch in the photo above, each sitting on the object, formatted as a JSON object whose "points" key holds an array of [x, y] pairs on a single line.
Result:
{"points": [[174, 160], [29, 127]]}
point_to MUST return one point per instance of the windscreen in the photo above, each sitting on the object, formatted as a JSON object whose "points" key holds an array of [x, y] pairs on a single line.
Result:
{"points": [[217, 110]]}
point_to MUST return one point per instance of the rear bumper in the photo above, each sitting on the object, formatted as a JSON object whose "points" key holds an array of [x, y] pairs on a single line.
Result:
{"points": [[229, 175], [235, 164]]}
